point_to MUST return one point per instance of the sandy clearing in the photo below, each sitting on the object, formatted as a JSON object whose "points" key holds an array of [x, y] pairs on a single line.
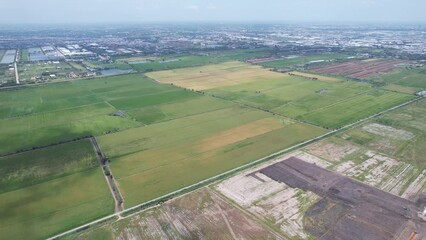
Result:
{"points": [[331, 151], [361, 168], [313, 159], [344, 166], [387, 131], [271, 201], [400, 180], [285, 209], [416, 186], [246, 189]]}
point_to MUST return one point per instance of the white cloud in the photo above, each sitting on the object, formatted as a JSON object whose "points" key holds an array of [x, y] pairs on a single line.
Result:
{"points": [[211, 6], [192, 7]]}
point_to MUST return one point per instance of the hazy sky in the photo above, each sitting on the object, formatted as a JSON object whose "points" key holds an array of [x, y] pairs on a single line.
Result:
{"points": [[100, 11]]}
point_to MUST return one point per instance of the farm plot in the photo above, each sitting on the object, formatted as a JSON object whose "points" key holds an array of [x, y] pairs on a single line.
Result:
{"points": [[170, 63], [361, 69], [166, 156], [353, 153], [301, 60], [310, 76], [400, 134], [50, 190], [199, 215], [387, 152], [37, 116], [276, 204], [24, 55], [407, 80], [177, 109], [377, 169], [293, 210], [325, 101], [104, 66], [212, 76], [29, 132], [173, 62], [357, 210], [353, 109]]}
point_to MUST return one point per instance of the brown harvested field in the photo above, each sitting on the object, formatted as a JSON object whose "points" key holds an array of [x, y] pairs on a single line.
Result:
{"points": [[199, 215], [360, 211], [273, 203], [376, 169], [213, 76], [240, 133], [361, 69], [333, 152]]}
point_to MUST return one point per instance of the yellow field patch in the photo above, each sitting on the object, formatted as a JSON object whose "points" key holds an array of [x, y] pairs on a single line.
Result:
{"points": [[319, 77], [212, 76], [240, 133]]}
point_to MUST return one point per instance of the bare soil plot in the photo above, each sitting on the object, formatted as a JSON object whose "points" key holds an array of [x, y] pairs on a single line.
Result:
{"points": [[361, 69], [332, 151], [199, 215], [399, 134], [286, 208], [212, 76], [367, 212], [273, 203], [387, 131], [376, 169]]}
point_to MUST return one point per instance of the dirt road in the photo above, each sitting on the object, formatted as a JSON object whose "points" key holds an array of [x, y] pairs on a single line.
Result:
{"points": [[113, 187]]}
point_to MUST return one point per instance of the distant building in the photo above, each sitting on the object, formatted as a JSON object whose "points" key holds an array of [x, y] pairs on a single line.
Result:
{"points": [[421, 94]]}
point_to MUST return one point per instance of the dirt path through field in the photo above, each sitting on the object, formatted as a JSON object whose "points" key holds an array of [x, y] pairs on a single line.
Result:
{"points": [[226, 221], [112, 185]]}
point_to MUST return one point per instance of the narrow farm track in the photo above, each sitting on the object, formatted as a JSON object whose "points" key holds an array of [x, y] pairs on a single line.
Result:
{"points": [[112, 185], [15, 64], [16, 73], [228, 225], [194, 187]]}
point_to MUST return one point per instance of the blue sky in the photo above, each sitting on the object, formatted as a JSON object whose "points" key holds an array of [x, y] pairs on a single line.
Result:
{"points": [[101, 11]]}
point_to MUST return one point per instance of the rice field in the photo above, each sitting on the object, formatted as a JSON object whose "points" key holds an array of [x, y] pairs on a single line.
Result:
{"points": [[47, 114], [320, 100], [46, 191], [166, 156], [413, 79]]}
